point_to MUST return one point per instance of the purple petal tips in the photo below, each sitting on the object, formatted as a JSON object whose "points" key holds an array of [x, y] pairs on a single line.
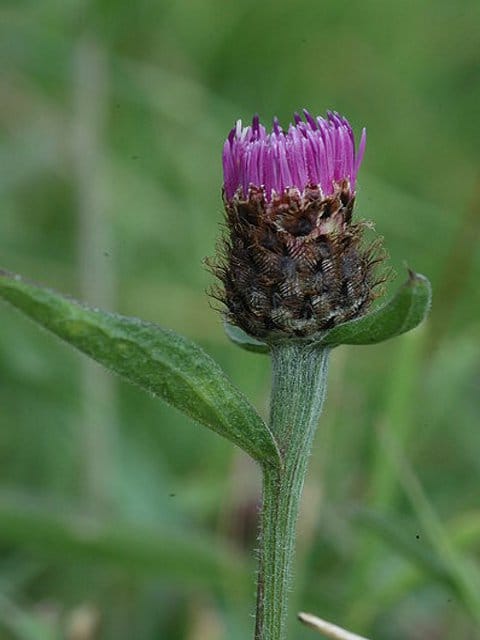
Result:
{"points": [[292, 262], [315, 152]]}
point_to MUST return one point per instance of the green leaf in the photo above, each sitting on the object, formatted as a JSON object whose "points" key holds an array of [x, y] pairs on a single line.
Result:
{"points": [[160, 361], [403, 312], [243, 340]]}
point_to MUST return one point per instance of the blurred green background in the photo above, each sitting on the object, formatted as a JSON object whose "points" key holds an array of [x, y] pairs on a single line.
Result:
{"points": [[120, 519]]}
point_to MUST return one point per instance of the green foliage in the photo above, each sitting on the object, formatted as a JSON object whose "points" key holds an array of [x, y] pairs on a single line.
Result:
{"points": [[177, 555], [24, 625], [243, 340], [160, 361]]}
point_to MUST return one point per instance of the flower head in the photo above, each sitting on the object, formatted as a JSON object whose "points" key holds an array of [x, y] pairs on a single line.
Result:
{"points": [[318, 152], [292, 263]]}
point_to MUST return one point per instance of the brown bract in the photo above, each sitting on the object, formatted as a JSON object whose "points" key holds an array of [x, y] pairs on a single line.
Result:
{"points": [[294, 267]]}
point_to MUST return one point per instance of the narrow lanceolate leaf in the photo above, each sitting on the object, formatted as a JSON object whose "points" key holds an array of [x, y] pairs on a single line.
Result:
{"points": [[160, 361], [243, 340], [403, 312]]}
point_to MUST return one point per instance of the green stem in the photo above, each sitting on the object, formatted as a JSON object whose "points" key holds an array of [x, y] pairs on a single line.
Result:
{"points": [[299, 382]]}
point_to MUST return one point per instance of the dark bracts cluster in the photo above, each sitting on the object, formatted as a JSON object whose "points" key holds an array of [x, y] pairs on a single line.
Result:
{"points": [[295, 266]]}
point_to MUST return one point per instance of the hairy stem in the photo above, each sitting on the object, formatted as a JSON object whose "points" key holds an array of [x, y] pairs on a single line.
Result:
{"points": [[299, 381]]}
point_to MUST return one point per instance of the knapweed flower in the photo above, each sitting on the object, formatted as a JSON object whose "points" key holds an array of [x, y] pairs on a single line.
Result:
{"points": [[292, 262]]}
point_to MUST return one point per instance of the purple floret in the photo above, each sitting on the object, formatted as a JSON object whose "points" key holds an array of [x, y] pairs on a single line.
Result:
{"points": [[318, 152]]}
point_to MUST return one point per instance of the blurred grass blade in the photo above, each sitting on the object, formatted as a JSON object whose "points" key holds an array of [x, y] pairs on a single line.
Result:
{"points": [[398, 417], [464, 532], [463, 573], [160, 361], [24, 625], [393, 532], [403, 312], [177, 555], [243, 340]]}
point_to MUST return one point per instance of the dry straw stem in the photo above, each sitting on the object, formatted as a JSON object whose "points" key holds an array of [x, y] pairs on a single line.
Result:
{"points": [[327, 628]]}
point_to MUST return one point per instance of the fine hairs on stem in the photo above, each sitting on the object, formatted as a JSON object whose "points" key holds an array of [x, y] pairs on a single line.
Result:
{"points": [[299, 381]]}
